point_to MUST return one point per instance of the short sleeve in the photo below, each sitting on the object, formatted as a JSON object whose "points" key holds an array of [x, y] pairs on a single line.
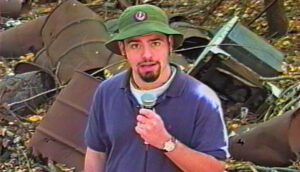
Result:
{"points": [[95, 130], [210, 134]]}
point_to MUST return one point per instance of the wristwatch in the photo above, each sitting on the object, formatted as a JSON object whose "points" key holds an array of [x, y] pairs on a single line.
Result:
{"points": [[169, 145]]}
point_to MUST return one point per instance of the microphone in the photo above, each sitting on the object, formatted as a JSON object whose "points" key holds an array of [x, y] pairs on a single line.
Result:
{"points": [[148, 100]]}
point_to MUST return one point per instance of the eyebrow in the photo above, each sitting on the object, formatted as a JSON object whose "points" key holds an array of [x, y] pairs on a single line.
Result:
{"points": [[135, 40]]}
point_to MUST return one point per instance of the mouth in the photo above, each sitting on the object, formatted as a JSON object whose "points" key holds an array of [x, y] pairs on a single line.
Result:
{"points": [[145, 64], [148, 66]]}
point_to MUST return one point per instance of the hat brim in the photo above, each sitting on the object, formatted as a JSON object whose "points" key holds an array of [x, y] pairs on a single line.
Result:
{"points": [[143, 28]]}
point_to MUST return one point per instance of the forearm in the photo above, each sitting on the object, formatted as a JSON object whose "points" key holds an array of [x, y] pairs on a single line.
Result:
{"points": [[94, 161], [189, 160]]}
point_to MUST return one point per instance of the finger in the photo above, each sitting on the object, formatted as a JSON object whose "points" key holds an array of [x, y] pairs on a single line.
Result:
{"points": [[139, 130], [142, 119], [141, 133], [145, 127], [147, 113], [147, 123]]}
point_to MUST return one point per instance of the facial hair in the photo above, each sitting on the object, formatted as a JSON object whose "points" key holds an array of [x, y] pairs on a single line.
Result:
{"points": [[150, 76]]}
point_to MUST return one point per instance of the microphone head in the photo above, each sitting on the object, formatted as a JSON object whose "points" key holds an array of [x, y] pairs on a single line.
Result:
{"points": [[148, 100]]}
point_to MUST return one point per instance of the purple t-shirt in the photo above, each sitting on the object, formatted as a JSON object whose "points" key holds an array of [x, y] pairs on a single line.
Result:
{"points": [[191, 112]]}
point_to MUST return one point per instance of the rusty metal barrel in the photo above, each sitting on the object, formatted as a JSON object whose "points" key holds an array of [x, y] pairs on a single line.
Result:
{"points": [[273, 143], [60, 135], [43, 60], [74, 38], [13, 8], [22, 39]]}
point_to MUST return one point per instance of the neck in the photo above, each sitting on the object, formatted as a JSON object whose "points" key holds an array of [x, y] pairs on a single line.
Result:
{"points": [[142, 85]]}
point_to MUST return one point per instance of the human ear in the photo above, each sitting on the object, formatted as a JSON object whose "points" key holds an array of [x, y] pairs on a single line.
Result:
{"points": [[171, 42], [122, 48]]}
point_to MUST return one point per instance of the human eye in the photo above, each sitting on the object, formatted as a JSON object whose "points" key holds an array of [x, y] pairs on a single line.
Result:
{"points": [[134, 45], [156, 43]]}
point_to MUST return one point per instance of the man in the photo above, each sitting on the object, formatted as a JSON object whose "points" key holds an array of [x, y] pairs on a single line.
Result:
{"points": [[185, 129]]}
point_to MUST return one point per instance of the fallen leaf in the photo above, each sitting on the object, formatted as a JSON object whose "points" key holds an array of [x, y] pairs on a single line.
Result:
{"points": [[34, 118]]}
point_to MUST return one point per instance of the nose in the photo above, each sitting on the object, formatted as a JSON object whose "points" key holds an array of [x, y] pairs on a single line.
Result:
{"points": [[147, 53]]}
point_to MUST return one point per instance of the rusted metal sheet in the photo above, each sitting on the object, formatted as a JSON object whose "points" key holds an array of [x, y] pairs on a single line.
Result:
{"points": [[194, 42], [75, 41], [13, 8], [272, 143], [43, 60], [293, 135], [41, 63], [22, 39], [60, 135], [24, 67]]}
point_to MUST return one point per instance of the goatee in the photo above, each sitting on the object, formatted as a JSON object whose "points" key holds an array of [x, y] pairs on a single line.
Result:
{"points": [[149, 77]]}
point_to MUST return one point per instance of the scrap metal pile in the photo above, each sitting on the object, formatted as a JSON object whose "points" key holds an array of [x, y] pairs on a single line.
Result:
{"points": [[70, 58]]}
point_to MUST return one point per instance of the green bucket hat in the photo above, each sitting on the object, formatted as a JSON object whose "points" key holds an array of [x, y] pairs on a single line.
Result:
{"points": [[142, 20]]}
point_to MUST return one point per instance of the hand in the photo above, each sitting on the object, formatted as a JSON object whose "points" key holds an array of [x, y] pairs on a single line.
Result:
{"points": [[151, 128]]}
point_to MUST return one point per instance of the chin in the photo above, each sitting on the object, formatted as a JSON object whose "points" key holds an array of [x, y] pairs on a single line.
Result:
{"points": [[150, 78]]}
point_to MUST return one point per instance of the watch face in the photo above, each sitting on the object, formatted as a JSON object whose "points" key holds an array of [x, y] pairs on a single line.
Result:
{"points": [[169, 146]]}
